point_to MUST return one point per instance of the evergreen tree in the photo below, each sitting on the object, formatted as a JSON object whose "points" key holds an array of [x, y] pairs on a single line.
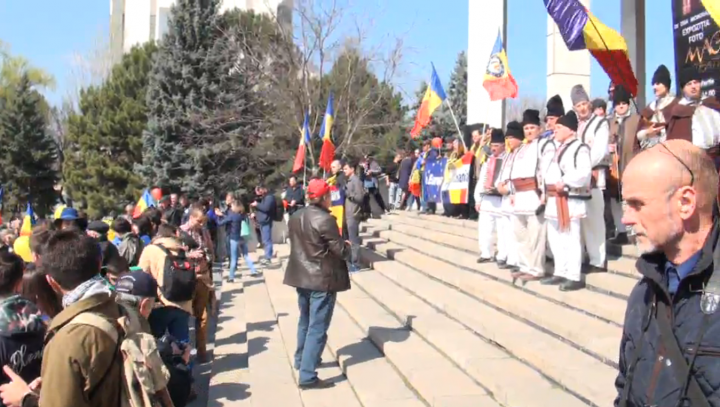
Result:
{"points": [[182, 90], [104, 138], [457, 91], [27, 153]]}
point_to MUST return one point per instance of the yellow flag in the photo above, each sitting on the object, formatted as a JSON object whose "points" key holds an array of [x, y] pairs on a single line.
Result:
{"points": [[713, 7]]}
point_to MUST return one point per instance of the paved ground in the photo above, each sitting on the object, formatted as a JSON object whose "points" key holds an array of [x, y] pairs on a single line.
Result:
{"points": [[426, 326]]}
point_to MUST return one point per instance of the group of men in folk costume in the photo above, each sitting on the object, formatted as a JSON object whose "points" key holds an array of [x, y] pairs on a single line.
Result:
{"points": [[558, 187]]}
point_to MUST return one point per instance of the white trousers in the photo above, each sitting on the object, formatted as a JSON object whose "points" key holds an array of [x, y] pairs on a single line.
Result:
{"points": [[617, 213], [506, 240], [530, 236], [593, 229], [566, 249], [487, 235]]}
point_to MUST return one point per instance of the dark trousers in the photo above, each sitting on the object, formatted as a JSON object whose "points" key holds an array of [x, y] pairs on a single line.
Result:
{"points": [[172, 320], [375, 194], [266, 234], [316, 311], [353, 228]]}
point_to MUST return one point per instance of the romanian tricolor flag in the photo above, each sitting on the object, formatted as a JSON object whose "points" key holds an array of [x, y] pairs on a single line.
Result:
{"points": [[713, 7], [145, 201], [327, 154], [499, 82], [28, 221], [582, 30], [304, 142], [455, 183], [434, 96]]}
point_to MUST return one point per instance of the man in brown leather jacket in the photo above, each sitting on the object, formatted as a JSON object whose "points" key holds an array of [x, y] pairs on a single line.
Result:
{"points": [[317, 268]]}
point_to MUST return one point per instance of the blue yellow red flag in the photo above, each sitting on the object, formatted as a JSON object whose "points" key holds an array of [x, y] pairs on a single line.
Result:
{"points": [[304, 141], [434, 96], [146, 200], [327, 153], [28, 221], [581, 30], [499, 82]]}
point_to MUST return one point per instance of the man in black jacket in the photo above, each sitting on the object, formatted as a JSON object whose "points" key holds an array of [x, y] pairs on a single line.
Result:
{"points": [[670, 190], [265, 210], [317, 269], [294, 196]]}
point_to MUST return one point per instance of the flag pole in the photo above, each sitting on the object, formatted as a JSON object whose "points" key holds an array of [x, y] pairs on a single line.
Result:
{"points": [[457, 126], [304, 170]]}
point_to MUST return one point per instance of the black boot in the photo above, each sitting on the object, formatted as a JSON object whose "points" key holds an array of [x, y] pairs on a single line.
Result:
{"points": [[621, 239], [552, 280], [572, 285]]}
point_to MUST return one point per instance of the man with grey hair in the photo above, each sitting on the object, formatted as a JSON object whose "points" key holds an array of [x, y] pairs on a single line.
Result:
{"points": [[668, 350], [594, 131]]}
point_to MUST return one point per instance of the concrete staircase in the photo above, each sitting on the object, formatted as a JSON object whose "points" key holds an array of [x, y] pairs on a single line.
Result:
{"points": [[427, 326]]}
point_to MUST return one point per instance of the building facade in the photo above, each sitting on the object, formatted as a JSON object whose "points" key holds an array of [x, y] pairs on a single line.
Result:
{"points": [[134, 22]]}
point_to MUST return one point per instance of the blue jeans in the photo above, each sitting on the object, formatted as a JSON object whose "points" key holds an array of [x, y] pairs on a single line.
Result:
{"points": [[316, 311], [394, 195], [171, 319], [238, 247], [266, 236]]}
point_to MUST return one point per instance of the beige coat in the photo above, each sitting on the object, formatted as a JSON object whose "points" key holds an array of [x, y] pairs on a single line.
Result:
{"points": [[152, 261]]}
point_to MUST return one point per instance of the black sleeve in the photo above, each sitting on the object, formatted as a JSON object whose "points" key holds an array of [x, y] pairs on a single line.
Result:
{"points": [[330, 233]]}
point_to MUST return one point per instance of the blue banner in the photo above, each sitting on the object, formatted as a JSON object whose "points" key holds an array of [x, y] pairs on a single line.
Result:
{"points": [[433, 179]]}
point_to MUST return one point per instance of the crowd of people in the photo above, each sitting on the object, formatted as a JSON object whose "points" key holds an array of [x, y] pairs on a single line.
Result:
{"points": [[101, 314], [555, 193], [81, 314]]}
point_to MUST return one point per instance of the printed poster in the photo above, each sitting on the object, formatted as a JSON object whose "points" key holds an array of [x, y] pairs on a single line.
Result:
{"points": [[337, 208], [697, 43], [433, 179], [457, 180]]}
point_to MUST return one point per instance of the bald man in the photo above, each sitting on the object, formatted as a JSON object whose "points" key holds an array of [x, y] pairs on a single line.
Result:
{"points": [[670, 190], [337, 177]]}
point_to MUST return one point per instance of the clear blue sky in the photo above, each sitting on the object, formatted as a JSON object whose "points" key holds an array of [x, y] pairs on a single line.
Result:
{"points": [[49, 31]]}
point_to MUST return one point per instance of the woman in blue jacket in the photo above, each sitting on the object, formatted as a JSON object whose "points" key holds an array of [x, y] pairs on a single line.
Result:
{"points": [[235, 219]]}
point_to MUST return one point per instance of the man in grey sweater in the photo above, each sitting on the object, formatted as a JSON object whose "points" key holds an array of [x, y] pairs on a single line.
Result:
{"points": [[354, 194]]}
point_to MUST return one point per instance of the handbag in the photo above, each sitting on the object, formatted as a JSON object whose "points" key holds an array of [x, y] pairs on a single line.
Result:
{"points": [[245, 228]]}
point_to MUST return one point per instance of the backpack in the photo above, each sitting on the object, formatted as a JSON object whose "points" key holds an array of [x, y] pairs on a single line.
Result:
{"points": [[130, 248], [143, 372], [277, 215], [178, 276]]}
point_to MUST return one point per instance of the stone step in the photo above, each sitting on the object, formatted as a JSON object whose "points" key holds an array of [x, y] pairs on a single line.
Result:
{"points": [[229, 373], [613, 284], [510, 381], [284, 302], [603, 306], [366, 378], [629, 251], [618, 263], [270, 376], [595, 337], [438, 381]]}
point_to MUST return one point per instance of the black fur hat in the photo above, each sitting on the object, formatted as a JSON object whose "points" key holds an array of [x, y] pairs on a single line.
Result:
{"points": [[688, 73], [531, 116], [621, 95], [569, 120], [662, 75], [515, 129], [554, 107], [497, 136]]}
